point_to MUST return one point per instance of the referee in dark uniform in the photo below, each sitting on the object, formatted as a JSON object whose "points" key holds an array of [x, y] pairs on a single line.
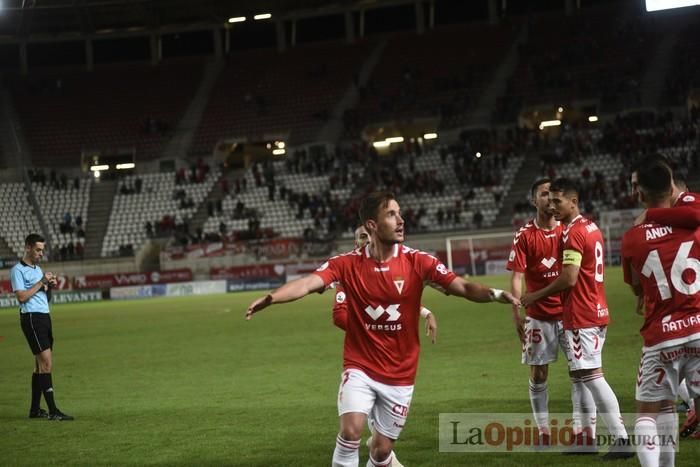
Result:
{"points": [[33, 291]]}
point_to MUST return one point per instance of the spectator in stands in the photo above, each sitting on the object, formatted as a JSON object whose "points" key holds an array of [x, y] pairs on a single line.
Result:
{"points": [[79, 250], [478, 218], [78, 220], [149, 229], [138, 185]]}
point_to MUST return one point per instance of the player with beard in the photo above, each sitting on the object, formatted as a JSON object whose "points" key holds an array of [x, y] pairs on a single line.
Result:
{"points": [[383, 285]]}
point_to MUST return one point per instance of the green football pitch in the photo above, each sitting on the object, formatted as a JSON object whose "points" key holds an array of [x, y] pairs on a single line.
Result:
{"points": [[187, 381]]}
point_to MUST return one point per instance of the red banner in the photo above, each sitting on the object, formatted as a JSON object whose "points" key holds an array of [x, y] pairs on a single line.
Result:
{"points": [[279, 248], [105, 281], [62, 283], [257, 271]]}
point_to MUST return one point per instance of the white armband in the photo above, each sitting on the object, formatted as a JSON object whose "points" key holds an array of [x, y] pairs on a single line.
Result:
{"points": [[424, 312], [496, 295]]}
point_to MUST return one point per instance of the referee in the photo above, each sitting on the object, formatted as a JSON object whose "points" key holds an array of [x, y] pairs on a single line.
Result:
{"points": [[33, 291]]}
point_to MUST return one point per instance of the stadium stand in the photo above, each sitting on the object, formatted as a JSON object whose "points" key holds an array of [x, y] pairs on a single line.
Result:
{"points": [[152, 205], [426, 75], [18, 216], [132, 106], [64, 206], [293, 197], [601, 159], [600, 54], [685, 68], [264, 92]]}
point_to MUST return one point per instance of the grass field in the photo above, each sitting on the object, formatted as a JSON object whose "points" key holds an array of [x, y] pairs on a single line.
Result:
{"points": [[186, 381]]}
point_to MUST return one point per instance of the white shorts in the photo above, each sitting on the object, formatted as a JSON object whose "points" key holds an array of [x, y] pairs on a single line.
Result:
{"points": [[543, 339], [386, 405], [661, 371], [585, 347]]}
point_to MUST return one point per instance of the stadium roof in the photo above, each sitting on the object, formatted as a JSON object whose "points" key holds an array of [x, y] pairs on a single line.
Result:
{"points": [[27, 18]]}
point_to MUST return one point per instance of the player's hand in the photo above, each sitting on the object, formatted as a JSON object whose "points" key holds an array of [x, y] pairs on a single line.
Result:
{"points": [[640, 305], [431, 327], [257, 305], [519, 324], [508, 297], [641, 218], [527, 299]]}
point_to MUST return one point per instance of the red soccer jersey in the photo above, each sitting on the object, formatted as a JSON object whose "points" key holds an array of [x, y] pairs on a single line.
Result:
{"points": [[535, 252], [665, 259], [383, 301], [584, 304]]}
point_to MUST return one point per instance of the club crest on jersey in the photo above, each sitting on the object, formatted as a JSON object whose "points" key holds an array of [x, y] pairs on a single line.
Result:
{"points": [[549, 262], [340, 297], [398, 282]]}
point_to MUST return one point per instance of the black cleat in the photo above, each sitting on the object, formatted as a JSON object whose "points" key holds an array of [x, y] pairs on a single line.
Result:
{"points": [[41, 413], [60, 416], [622, 449], [582, 446]]}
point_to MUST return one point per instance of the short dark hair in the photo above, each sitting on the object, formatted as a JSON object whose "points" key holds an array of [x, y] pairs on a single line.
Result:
{"points": [[370, 204], [564, 185], [537, 184], [652, 159], [654, 180], [680, 181], [32, 239]]}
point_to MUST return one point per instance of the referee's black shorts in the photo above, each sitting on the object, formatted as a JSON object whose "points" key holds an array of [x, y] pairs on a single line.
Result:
{"points": [[37, 330]]}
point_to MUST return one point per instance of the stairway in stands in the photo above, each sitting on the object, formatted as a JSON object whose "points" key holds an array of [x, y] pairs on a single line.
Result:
{"points": [[519, 191], [101, 198]]}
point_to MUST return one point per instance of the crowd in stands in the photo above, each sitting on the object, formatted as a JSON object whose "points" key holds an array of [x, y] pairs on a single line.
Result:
{"points": [[588, 155], [54, 180]]}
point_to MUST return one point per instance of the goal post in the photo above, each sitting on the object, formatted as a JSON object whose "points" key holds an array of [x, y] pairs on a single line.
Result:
{"points": [[478, 255]]}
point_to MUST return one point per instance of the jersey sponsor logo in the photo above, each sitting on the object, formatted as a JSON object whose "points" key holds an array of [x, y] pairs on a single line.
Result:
{"points": [[683, 352], [602, 312], [383, 327], [550, 235], [340, 297], [384, 269], [679, 324], [391, 310], [322, 267], [549, 262], [657, 232], [398, 282]]}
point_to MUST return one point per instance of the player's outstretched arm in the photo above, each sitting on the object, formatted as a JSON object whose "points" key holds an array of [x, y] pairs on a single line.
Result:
{"points": [[687, 217], [479, 292], [289, 292], [566, 280]]}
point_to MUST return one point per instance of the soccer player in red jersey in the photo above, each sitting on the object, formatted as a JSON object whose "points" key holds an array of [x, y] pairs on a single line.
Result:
{"points": [[661, 263], [684, 212], [535, 257], [383, 284], [585, 310], [340, 319], [340, 306]]}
